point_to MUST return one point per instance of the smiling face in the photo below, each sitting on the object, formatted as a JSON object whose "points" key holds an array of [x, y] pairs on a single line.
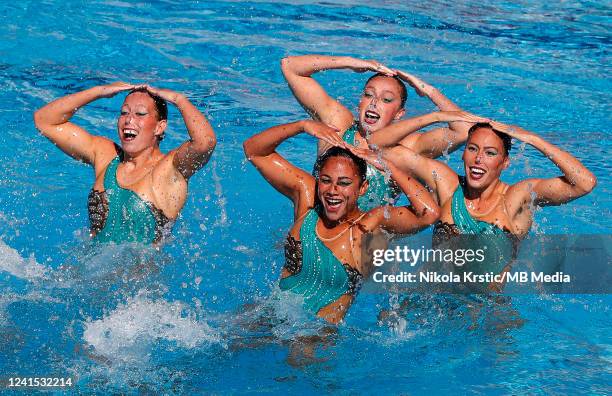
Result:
{"points": [[138, 124], [484, 158], [381, 103], [338, 186]]}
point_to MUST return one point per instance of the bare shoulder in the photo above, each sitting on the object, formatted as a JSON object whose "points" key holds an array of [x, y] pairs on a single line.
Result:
{"points": [[370, 221], [105, 151]]}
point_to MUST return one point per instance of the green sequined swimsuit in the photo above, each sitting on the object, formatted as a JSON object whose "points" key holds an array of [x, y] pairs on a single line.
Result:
{"points": [[119, 215], [501, 245], [316, 274]]}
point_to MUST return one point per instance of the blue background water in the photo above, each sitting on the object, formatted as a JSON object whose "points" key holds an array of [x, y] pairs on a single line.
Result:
{"points": [[542, 66]]}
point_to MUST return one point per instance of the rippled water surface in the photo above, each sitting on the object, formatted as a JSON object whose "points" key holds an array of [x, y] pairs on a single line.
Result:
{"points": [[203, 315]]}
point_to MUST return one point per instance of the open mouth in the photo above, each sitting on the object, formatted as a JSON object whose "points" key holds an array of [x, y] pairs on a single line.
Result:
{"points": [[332, 204], [371, 117], [477, 173], [129, 134]]}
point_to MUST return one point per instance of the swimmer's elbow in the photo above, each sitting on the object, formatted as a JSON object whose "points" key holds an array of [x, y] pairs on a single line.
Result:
{"points": [[284, 64], [207, 145], [37, 119], [247, 146], [39, 122], [431, 215], [589, 185], [287, 65]]}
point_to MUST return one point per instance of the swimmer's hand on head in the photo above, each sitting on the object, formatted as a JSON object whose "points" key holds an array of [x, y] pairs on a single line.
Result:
{"points": [[575, 182], [53, 120], [420, 86], [110, 90], [362, 65], [374, 158], [193, 154], [327, 133], [514, 131], [166, 94], [289, 180], [265, 143]]}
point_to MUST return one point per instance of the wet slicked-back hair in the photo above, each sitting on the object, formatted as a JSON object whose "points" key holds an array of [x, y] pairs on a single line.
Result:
{"points": [[160, 104], [506, 139], [361, 165], [403, 91]]}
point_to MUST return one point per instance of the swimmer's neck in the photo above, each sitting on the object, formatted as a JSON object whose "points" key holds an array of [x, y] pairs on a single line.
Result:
{"points": [[482, 194], [143, 157], [329, 224], [366, 132]]}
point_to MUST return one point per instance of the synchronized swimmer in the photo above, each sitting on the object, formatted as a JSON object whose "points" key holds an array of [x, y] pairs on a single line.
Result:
{"points": [[324, 262], [139, 191], [479, 203]]}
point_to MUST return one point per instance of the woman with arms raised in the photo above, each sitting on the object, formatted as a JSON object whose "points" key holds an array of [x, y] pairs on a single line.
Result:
{"points": [[324, 263], [382, 103], [138, 190], [479, 202]]}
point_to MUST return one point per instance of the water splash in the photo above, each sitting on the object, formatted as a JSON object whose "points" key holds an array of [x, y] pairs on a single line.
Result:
{"points": [[14, 264], [131, 330]]}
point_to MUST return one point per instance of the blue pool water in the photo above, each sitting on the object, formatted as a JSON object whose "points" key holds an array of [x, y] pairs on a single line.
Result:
{"points": [[193, 320]]}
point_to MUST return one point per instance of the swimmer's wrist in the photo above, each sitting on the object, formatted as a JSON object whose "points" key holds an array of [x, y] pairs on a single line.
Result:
{"points": [[180, 99], [100, 90], [302, 126], [532, 139]]}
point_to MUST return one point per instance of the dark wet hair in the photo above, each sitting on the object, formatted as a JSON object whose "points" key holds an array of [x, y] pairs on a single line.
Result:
{"points": [[362, 166], [506, 139], [161, 106], [403, 91]]}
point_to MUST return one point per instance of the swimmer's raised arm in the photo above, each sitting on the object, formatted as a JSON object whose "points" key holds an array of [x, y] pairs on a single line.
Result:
{"points": [[285, 177], [395, 133], [52, 120], [576, 181], [437, 141], [195, 152], [436, 175], [423, 210], [298, 71]]}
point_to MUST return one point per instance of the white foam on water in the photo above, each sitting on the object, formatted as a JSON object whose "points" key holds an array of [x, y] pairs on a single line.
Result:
{"points": [[132, 329], [292, 319], [12, 262]]}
